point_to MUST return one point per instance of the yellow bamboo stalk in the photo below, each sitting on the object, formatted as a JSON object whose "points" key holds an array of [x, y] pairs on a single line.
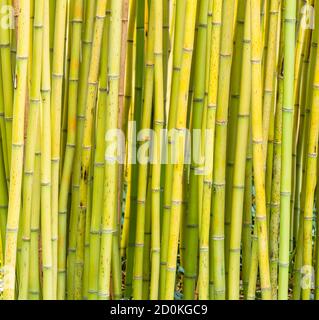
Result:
{"points": [[17, 149]]}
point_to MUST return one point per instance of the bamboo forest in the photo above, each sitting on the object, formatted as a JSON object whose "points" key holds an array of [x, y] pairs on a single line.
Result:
{"points": [[159, 150]]}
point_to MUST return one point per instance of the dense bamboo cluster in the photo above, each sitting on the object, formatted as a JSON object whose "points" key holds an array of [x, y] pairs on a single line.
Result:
{"points": [[160, 149]]}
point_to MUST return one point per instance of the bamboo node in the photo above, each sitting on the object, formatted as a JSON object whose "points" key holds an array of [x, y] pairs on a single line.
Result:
{"points": [[46, 267], [190, 276], [171, 269], [192, 226], [234, 250], [285, 193], [106, 231], [57, 75], [308, 218], [221, 122], [255, 61], [288, 110], [218, 238], [312, 155], [261, 218]]}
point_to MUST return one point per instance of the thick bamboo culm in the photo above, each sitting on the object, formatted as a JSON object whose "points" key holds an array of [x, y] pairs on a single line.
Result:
{"points": [[159, 149]]}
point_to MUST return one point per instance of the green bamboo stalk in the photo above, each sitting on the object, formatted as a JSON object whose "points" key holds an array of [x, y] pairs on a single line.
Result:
{"points": [[111, 167], [192, 218], [144, 142], [259, 176], [87, 143], [308, 100], [173, 94], [32, 129], [3, 199], [253, 270], [310, 180], [65, 88], [232, 120], [300, 144], [317, 248], [147, 242], [7, 85], [275, 195], [34, 274], [3, 174], [87, 41], [56, 109], [159, 86], [286, 162], [3, 134], [17, 151], [45, 175], [139, 67], [52, 10], [205, 247], [128, 107], [247, 218], [176, 197], [238, 183], [87, 227], [98, 175], [219, 174], [76, 21], [270, 65]]}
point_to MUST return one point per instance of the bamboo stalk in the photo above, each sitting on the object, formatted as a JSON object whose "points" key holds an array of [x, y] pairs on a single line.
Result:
{"points": [[219, 174], [310, 181], [144, 141], [45, 175], [159, 74], [192, 218], [97, 201], [111, 167], [259, 176], [175, 84], [176, 198], [17, 150], [87, 39], [32, 129], [239, 164], [286, 162], [56, 109]]}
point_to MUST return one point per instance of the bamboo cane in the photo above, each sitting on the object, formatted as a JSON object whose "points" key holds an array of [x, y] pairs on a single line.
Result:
{"points": [[138, 94], [286, 165], [98, 169], [239, 165], [197, 115], [159, 86], [110, 174], [144, 140], [56, 109], [219, 174], [45, 217], [176, 198], [175, 83], [32, 129], [6, 72], [17, 150], [34, 273], [310, 180], [87, 40], [259, 176]]}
